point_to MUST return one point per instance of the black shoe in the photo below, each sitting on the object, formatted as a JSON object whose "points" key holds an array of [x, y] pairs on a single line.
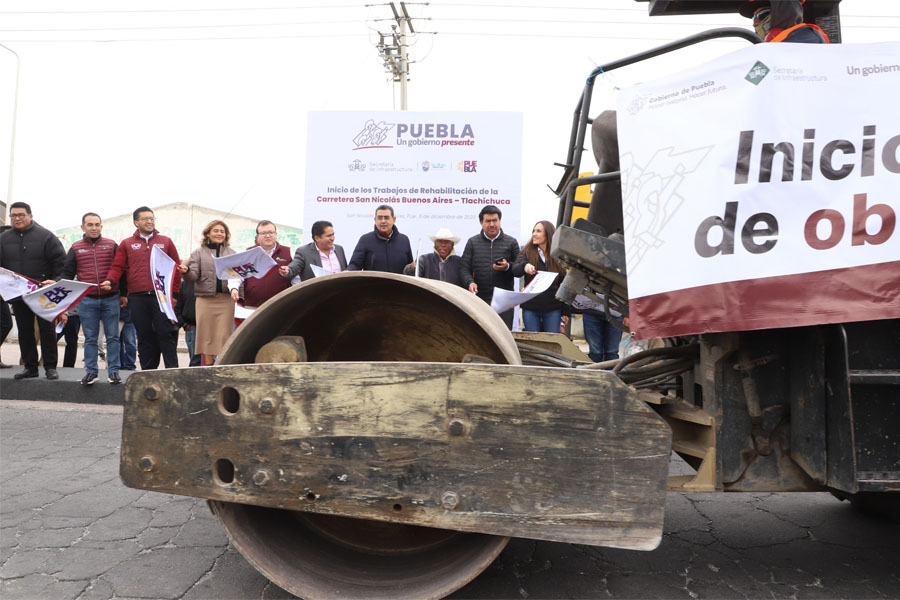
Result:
{"points": [[51, 373], [89, 379], [26, 374], [114, 378]]}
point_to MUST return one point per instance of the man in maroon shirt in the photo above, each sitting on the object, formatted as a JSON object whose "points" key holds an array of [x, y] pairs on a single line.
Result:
{"points": [[90, 259], [154, 330], [256, 291]]}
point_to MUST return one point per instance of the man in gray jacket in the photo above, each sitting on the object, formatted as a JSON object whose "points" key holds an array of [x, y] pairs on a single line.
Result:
{"points": [[322, 252], [485, 262]]}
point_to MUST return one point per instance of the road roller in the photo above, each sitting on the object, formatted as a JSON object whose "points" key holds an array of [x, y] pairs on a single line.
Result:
{"points": [[372, 435]]}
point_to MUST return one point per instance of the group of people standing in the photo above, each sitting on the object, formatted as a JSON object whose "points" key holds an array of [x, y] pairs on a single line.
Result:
{"points": [[205, 304]]}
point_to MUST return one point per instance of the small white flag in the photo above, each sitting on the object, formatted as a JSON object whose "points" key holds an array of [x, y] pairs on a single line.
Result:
{"points": [[252, 263], [162, 269], [13, 285], [52, 300]]}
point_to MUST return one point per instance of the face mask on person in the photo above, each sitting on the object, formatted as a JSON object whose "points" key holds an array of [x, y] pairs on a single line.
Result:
{"points": [[762, 21]]}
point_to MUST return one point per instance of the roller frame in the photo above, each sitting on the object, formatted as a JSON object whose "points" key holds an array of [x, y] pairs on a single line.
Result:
{"points": [[552, 454]]}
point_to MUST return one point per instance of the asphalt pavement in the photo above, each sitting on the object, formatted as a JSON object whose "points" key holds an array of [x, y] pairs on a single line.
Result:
{"points": [[70, 529]]}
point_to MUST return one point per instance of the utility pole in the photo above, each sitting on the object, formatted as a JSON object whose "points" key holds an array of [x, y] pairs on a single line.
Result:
{"points": [[12, 138], [392, 48]]}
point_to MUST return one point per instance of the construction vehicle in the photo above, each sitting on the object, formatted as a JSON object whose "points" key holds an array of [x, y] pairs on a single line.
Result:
{"points": [[351, 454]]}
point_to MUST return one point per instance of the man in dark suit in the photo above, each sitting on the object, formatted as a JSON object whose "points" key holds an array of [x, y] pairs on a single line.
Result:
{"points": [[384, 248], [322, 252]]}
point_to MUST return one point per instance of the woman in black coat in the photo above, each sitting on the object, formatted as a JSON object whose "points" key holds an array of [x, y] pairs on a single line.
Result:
{"points": [[544, 312]]}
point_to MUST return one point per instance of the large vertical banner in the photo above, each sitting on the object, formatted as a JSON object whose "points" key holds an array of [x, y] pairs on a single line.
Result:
{"points": [[436, 169], [760, 190]]}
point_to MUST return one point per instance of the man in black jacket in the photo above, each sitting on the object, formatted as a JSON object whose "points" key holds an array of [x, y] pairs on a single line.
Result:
{"points": [[485, 262], [384, 249], [32, 251]]}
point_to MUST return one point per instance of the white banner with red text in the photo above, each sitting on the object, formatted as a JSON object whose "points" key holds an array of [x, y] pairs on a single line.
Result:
{"points": [[760, 190], [435, 169]]}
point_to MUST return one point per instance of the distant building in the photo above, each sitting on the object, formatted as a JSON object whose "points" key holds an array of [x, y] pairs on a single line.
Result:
{"points": [[184, 223]]}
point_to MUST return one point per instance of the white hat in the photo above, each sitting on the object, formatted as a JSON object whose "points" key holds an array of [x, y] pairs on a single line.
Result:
{"points": [[444, 234]]}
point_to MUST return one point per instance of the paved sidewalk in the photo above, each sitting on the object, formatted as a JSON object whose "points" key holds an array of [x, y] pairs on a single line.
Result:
{"points": [[68, 387]]}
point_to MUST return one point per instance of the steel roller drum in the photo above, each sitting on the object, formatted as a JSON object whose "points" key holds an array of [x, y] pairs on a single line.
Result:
{"points": [[369, 317]]}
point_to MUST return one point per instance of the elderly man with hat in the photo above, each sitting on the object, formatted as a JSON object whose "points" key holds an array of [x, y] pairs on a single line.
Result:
{"points": [[442, 264]]}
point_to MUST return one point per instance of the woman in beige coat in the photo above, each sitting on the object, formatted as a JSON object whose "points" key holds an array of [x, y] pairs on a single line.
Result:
{"points": [[215, 303]]}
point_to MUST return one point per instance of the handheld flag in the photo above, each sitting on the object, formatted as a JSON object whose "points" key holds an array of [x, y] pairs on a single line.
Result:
{"points": [[13, 285], [252, 263], [52, 300], [162, 269]]}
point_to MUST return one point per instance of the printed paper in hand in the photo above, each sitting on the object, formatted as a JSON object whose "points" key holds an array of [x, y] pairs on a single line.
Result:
{"points": [[319, 271], [503, 300], [242, 312], [253, 263]]}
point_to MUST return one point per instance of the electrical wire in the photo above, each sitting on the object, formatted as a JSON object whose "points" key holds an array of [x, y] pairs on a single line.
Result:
{"points": [[173, 10], [194, 39], [158, 27]]}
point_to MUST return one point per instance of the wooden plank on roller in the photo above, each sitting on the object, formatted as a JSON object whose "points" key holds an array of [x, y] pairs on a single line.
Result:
{"points": [[544, 453]]}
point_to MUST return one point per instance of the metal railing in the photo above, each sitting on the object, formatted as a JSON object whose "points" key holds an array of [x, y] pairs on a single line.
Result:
{"points": [[580, 119]]}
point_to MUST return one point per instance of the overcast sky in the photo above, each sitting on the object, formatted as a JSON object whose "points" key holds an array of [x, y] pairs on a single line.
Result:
{"points": [[127, 102]]}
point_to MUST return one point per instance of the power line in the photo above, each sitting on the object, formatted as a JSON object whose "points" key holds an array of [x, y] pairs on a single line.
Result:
{"points": [[338, 22], [635, 23], [170, 10], [193, 39], [284, 24], [597, 37]]}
